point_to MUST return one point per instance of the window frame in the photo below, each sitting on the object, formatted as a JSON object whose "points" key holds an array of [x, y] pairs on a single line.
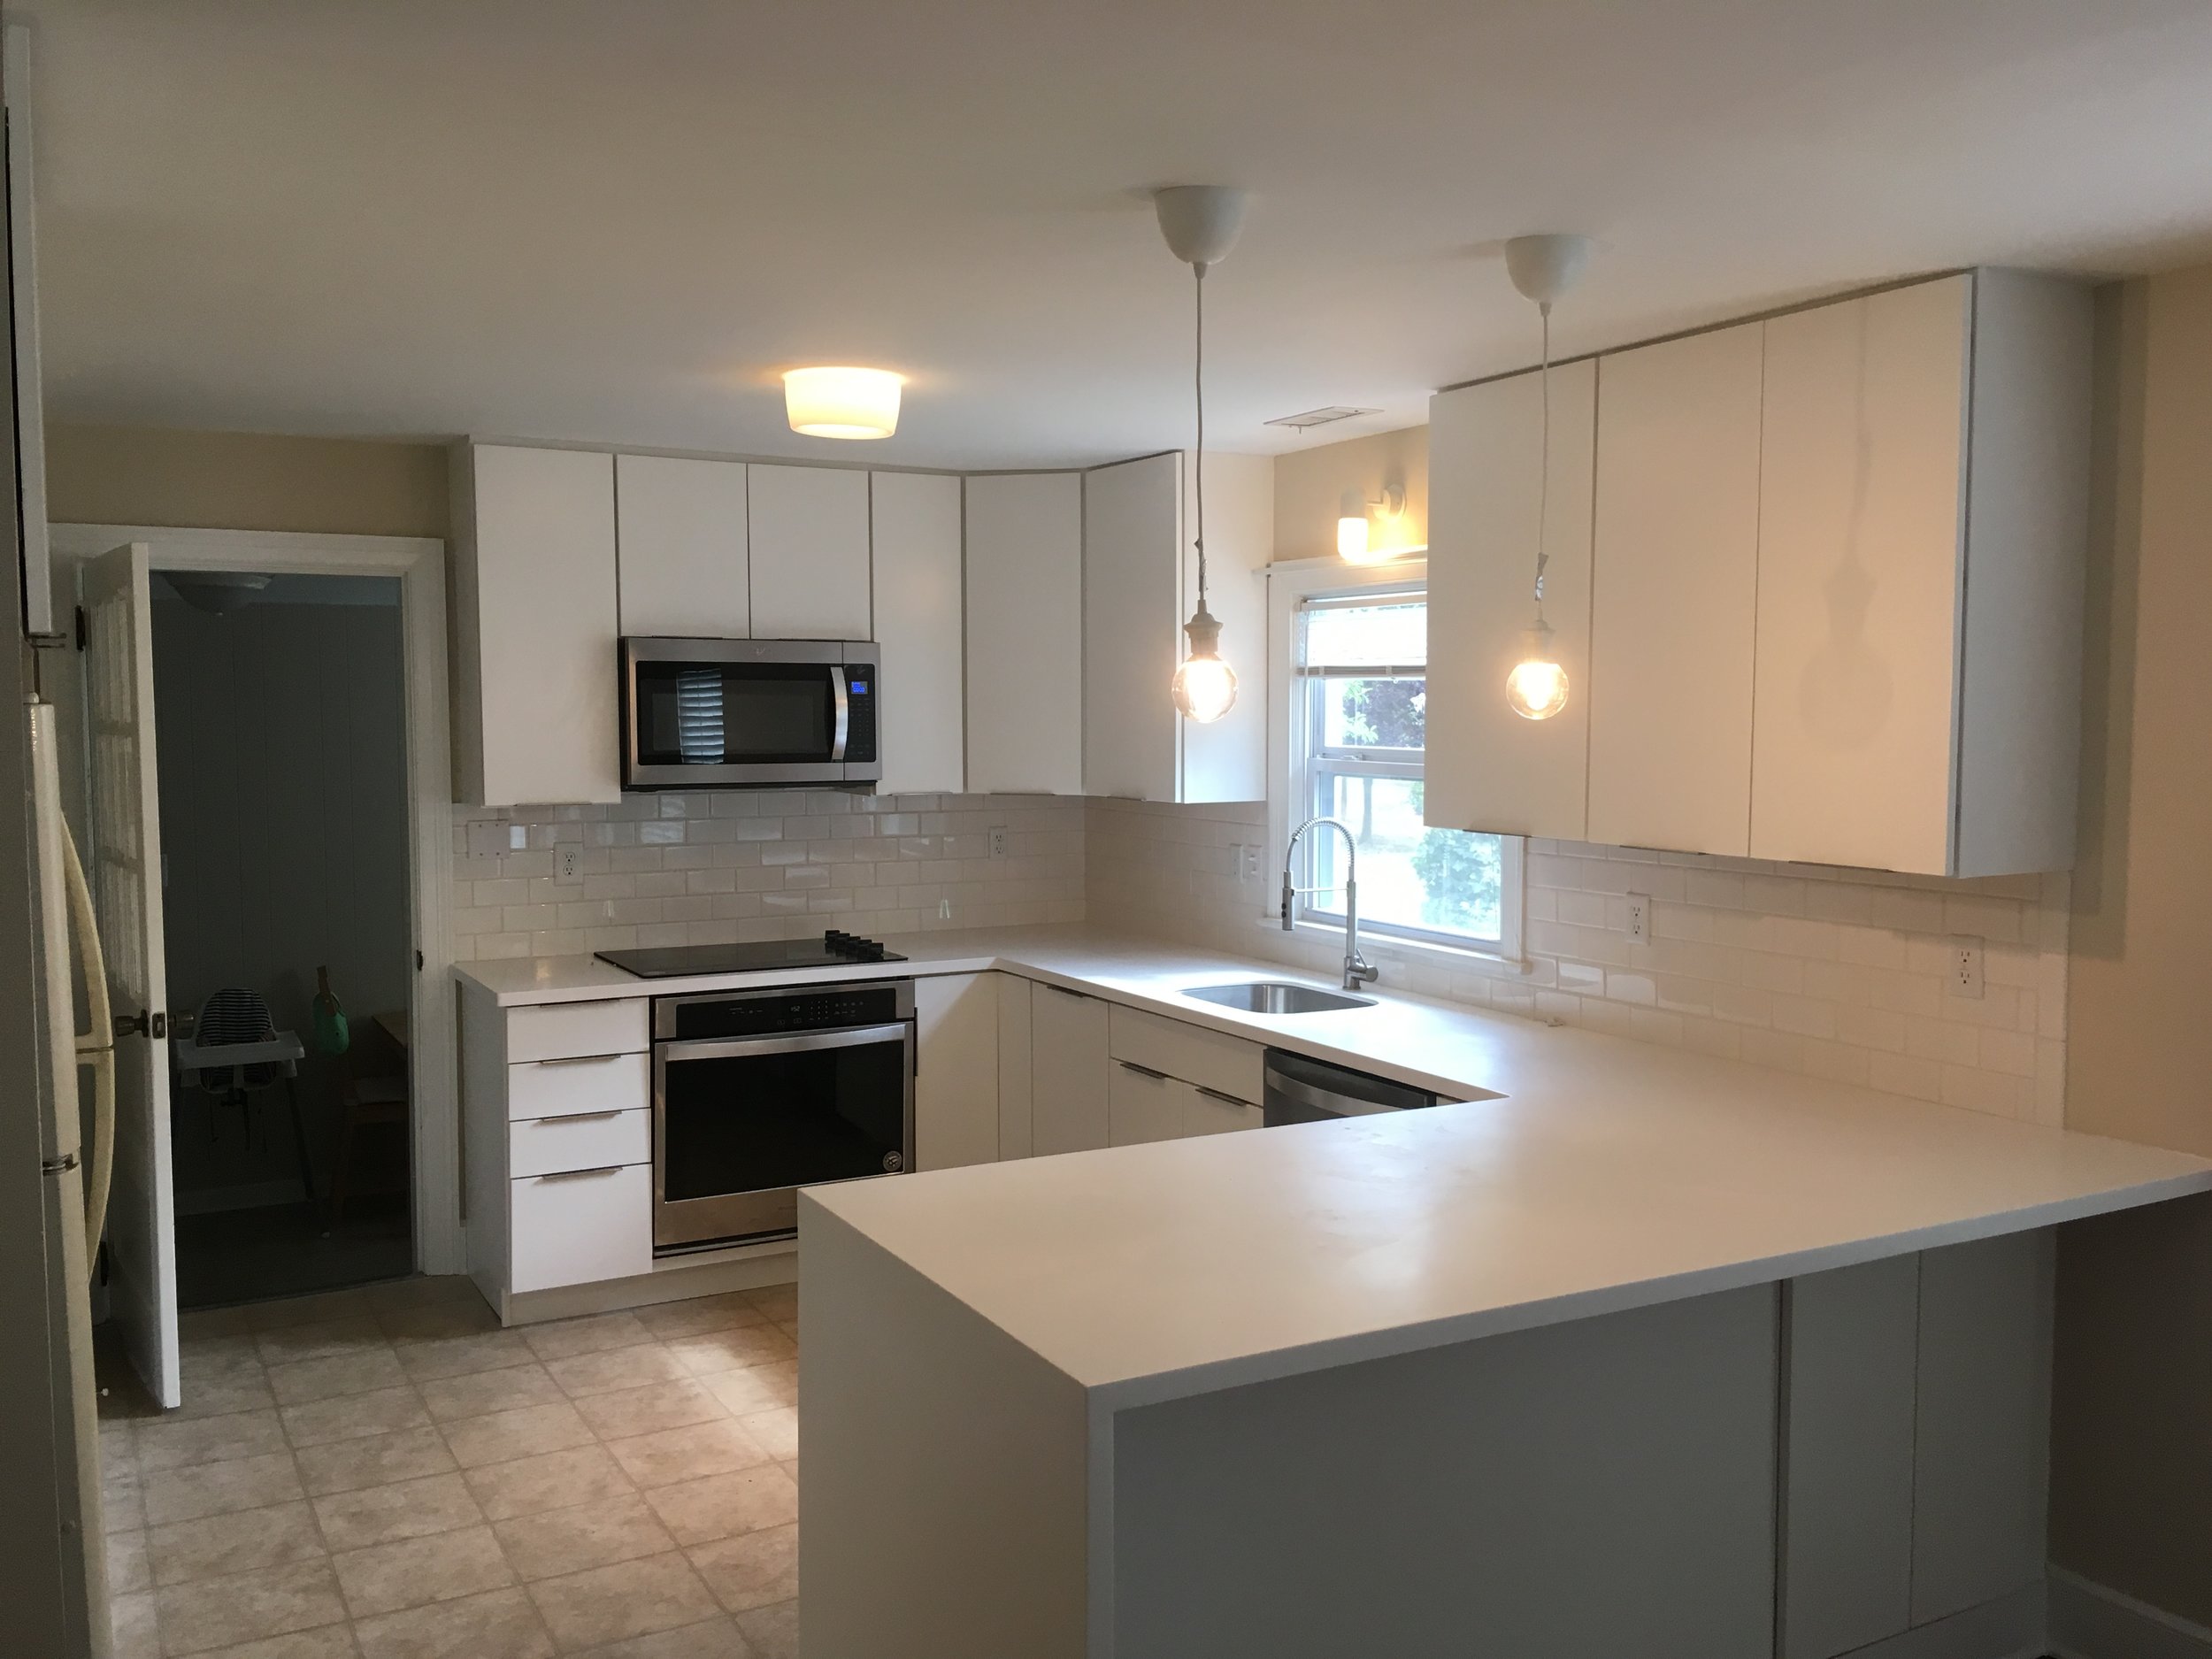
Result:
{"points": [[1298, 765]]}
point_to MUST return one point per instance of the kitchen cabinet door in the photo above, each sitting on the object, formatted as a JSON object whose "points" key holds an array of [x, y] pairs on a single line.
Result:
{"points": [[534, 627], [1024, 605], [915, 517], [1133, 527], [1488, 769], [1145, 1105], [1068, 1108], [955, 1078], [809, 535], [681, 539], [1852, 1345], [1674, 593], [1859, 528]]}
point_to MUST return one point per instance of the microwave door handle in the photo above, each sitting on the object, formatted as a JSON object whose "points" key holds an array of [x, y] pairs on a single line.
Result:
{"points": [[844, 711]]}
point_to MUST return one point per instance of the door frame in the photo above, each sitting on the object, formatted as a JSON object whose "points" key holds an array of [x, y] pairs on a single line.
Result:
{"points": [[420, 562]]}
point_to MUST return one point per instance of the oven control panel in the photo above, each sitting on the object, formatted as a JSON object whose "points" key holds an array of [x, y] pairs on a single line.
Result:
{"points": [[776, 1013]]}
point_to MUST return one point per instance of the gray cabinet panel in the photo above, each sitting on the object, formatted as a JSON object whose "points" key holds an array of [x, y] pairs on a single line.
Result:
{"points": [[1851, 1339]]}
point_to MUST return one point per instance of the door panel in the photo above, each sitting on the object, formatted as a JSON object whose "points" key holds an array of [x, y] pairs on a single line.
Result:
{"points": [[124, 869], [1673, 594]]}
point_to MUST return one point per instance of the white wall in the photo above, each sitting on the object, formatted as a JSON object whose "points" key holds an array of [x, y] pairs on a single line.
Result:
{"points": [[282, 749]]}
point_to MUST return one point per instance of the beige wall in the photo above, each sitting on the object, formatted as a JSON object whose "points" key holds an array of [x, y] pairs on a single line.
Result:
{"points": [[1310, 485], [237, 481], [2132, 1492]]}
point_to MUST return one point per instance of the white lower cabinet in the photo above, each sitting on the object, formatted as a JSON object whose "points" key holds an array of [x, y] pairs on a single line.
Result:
{"points": [[580, 1140], [1915, 1444], [956, 1073], [577, 1226], [1068, 1068], [1146, 1105]]}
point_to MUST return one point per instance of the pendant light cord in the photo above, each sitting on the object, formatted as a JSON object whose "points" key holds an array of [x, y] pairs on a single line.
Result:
{"points": [[1198, 383], [1543, 482]]}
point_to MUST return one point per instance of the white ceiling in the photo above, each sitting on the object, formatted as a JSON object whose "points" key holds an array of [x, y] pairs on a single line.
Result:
{"points": [[615, 223]]}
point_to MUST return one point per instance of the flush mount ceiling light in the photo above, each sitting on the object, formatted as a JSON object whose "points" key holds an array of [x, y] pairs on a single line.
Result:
{"points": [[842, 403], [1542, 268], [1201, 222]]}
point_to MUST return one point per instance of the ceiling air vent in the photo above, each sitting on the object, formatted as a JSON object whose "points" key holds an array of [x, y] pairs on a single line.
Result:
{"points": [[1321, 417]]}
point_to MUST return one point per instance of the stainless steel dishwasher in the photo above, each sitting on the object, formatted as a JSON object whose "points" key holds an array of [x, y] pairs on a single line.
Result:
{"points": [[1300, 1090]]}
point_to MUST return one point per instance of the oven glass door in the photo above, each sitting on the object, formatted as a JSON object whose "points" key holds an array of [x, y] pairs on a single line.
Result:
{"points": [[739, 1124], [740, 714]]}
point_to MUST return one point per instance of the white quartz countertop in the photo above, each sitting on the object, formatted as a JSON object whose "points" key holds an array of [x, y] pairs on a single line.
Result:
{"points": [[1610, 1175]]}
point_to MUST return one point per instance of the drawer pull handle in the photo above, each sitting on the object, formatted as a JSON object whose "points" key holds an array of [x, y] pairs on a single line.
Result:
{"points": [[577, 1117], [579, 1175], [1142, 1070], [579, 1059], [1226, 1099], [1063, 991]]}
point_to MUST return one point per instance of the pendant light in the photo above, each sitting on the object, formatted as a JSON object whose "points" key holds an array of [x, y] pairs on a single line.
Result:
{"points": [[1201, 222], [1542, 268]]}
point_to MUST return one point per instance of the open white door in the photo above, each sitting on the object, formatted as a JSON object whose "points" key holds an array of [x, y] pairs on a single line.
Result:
{"points": [[124, 867]]}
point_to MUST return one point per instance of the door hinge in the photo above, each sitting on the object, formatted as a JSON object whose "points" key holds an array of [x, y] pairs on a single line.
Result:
{"points": [[84, 628], [61, 1165], [419, 962]]}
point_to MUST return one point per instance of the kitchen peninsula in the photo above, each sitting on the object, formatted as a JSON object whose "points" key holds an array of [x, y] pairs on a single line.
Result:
{"points": [[1654, 1354]]}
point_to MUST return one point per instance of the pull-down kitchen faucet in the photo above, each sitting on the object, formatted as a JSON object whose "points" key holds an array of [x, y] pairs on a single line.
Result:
{"points": [[1357, 970]]}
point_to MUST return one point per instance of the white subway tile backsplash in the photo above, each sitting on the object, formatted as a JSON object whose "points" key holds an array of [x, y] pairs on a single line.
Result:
{"points": [[709, 868], [1834, 973]]}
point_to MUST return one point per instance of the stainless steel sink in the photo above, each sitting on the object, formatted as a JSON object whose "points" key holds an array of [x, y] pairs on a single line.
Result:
{"points": [[1274, 996]]}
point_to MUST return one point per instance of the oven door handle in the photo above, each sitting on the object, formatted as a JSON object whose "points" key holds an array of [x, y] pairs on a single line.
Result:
{"points": [[844, 713], [733, 1047]]}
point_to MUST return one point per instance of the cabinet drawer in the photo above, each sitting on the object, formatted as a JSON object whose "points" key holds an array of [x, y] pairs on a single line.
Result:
{"points": [[1140, 1105], [575, 1229], [583, 1083], [587, 1141], [1225, 1063], [561, 1030]]}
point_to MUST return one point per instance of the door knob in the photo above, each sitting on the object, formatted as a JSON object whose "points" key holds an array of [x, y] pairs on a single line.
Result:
{"points": [[143, 1024]]}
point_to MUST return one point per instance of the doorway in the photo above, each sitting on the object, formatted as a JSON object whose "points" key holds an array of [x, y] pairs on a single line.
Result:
{"points": [[280, 702], [192, 1160]]}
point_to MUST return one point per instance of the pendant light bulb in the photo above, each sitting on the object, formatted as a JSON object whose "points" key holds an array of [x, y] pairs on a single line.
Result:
{"points": [[1537, 687], [1200, 223], [1542, 269], [1205, 687]]}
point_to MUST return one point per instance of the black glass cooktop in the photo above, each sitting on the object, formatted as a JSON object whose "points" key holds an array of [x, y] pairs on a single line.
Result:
{"points": [[832, 949]]}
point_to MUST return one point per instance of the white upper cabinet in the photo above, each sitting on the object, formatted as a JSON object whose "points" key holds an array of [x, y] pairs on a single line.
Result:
{"points": [[809, 543], [1488, 769], [1672, 612], [1133, 528], [679, 528], [1024, 605], [534, 627], [1858, 568], [918, 622], [1920, 578], [1139, 585]]}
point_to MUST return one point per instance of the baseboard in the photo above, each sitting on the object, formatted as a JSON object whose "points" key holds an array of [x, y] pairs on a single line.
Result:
{"points": [[2010, 1627], [2089, 1621], [671, 1279]]}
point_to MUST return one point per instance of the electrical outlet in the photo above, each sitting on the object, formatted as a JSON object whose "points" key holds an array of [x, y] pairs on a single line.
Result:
{"points": [[998, 841], [568, 865], [1250, 863], [1639, 919], [1966, 967]]}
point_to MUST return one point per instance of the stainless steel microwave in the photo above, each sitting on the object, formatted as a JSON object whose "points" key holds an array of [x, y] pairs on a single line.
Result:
{"points": [[702, 713]]}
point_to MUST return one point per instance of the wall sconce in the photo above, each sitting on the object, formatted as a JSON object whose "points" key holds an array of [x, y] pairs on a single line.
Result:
{"points": [[1354, 544]]}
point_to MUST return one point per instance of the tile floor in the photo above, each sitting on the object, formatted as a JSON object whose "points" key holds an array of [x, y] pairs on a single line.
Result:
{"points": [[385, 1474]]}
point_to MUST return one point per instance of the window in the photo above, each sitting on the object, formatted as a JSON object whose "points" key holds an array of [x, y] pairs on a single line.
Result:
{"points": [[1359, 693]]}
